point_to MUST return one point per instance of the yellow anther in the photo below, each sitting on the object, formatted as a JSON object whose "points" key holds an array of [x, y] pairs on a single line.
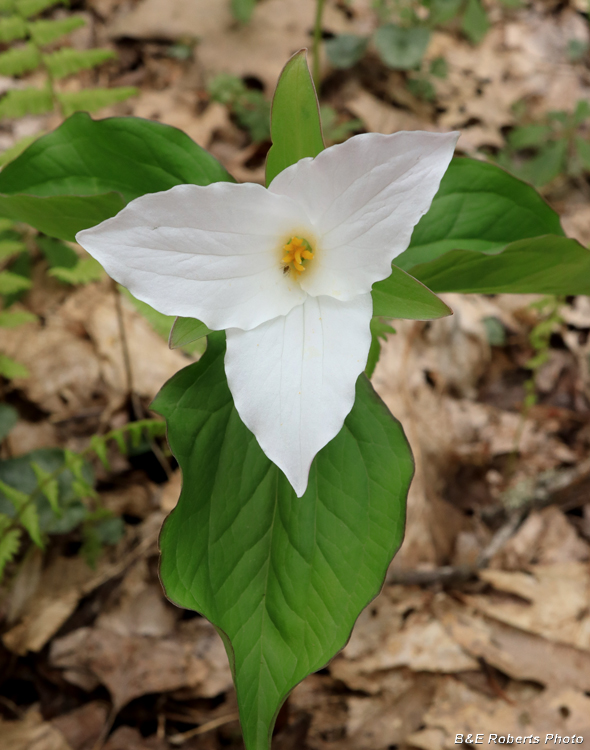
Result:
{"points": [[297, 250]]}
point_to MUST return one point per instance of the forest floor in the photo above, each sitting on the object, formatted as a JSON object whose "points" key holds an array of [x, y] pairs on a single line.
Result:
{"points": [[483, 625]]}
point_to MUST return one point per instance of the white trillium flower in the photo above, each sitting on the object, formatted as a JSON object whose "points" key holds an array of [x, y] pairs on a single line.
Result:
{"points": [[287, 271]]}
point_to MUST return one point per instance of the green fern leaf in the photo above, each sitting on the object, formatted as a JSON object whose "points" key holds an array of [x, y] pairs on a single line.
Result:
{"points": [[45, 32], [12, 27], [49, 487], [26, 511], [11, 247], [30, 101], [28, 8], [10, 368], [93, 99], [65, 62], [99, 446], [15, 318], [19, 60], [17, 148], [11, 283], [9, 544], [83, 272]]}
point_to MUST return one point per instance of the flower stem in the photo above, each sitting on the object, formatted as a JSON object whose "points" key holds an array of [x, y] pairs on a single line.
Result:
{"points": [[317, 38]]}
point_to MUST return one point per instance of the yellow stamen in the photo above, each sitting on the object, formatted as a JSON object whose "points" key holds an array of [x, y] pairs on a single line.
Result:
{"points": [[297, 250]]}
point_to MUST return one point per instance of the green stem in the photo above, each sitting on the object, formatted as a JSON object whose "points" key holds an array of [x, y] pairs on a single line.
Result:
{"points": [[317, 38]]}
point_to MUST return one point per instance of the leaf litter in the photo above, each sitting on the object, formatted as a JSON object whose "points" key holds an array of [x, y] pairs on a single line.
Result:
{"points": [[483, 624]]}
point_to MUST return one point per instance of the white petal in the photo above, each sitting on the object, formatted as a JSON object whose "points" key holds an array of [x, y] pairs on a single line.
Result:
{"points": [[364, 198], [210, 253], [293, 378]]}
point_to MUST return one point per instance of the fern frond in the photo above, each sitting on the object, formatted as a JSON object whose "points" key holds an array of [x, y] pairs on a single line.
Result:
{"points": [[30, 101], [19, 60], [85, 271], [26, 511], [65, 62], [10, 368], [11, 247], [11, 283], [49, 487], [17, 148], [12, 27], [15, 318], [45, 32], [9, 545], [28, 8], [93, 99]]}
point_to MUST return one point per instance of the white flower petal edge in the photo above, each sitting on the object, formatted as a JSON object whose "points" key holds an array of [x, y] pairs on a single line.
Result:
{"points": [[293, 378], [364, 198], [211, 253]]}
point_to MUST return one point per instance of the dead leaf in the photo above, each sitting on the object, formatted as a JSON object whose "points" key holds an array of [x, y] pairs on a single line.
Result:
{"points": [[83, 726], [31, 734]]}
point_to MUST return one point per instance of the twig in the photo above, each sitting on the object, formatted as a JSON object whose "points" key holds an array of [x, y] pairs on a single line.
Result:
{"points": [[181, 738]]}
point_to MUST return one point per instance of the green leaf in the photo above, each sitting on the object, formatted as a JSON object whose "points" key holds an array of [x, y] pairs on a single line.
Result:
{"points": [[478, 207], [400, 48], [60, 216], [28, 8], [8, 418], [67, 61], [401, 296], [30, 101], [581, 112], [443, 11], [549, 163], [91, 100], [10, 283], [13, 319], [529, 135], [379, 330], [126, 154], [252, 111], [9, 546], [85, 271], [57, 253], [336, 130], [10, 368], [583, 151], [19, 60], [475, 22], [44, 32], [242, 9], [345, 50], [17, 148], [541, 265], [282, 578], [48, 486], [6, 6], [26, 511], [185, 331], [12, 27], [11, 247], [295, 126]]}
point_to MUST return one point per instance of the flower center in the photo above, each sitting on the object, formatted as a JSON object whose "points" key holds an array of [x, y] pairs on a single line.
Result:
{"points": [[297, 250]]}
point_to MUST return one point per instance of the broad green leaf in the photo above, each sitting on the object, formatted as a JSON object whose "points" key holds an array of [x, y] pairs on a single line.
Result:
{"points": [[8, 418], [10, 283], [28, 8], [19, 60], [401, 48], [56, 253], [548, 164], [85, 271], [30, 101], [12, 27], [529, 135], [443, 11], [10, 368], [243, 9], [15, 318], [124, 154], [66, 61], [91, 100], [185, 331], [9, 546], [379, 331], [44, 32], [26, 511], [401, 296], [282, 578], [541, 265], [478, 207], [475, 22], [60, 216], [11, 247], [295, 126], [346, 50]]}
